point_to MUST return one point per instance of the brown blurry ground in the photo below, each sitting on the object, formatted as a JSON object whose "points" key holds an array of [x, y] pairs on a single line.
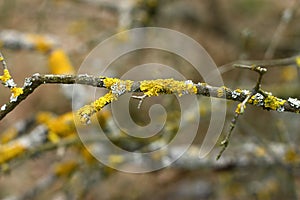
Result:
{"points": [[228, 30]]}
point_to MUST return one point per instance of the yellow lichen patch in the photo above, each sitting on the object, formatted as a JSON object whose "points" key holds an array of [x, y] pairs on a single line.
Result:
{"points": [[220, 92], [53, 137], [238, 90], [6, 76], [298, 61], [273, 103], [40, 42], [8, 135], [152, 88], [87, 111], [291, 156], [65, 169], [16, 91], [128, 84], [167, 86], [240, 108], [253, 100], [102, 101], [59, 63], [117, 86], [108, 82], [10, 151]]}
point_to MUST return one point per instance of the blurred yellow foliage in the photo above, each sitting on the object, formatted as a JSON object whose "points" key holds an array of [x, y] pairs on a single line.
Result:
{"points": [[40, 42], [65, 168], [59, 63], [10, 151], [289, 73]]}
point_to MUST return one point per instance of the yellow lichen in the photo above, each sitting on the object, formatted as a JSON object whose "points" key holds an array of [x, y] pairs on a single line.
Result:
{"points": [[253, 100], [65, 169], [152, 88], [59, 63], [220, 92], [16, 91], [6, 76], [10, 151], [291, 156], [128, 84], [102, 101], [166, 86], [240, 108], [273, 102], [238, 90], [53, 137], [88, 110], [298, 61], [108, 82]]}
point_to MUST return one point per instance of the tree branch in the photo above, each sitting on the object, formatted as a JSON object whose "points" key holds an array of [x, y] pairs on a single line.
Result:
{"points": [[157, 87]]}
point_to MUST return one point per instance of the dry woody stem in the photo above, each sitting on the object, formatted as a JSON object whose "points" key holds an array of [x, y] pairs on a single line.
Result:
{"points": [[157, 87]]}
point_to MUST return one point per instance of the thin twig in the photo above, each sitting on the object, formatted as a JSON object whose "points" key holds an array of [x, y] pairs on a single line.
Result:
{"points": [[233, 122], [287, 16], [3, 61], [140, 98], [266, 63]]}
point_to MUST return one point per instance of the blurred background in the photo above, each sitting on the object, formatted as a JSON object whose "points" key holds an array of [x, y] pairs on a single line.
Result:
{"points": [[262, 161]]}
